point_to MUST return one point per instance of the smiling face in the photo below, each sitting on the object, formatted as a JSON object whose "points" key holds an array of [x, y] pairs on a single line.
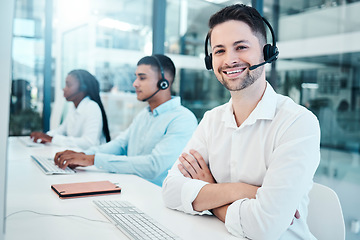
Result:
{"points": [[146, 81], [234, 49]]}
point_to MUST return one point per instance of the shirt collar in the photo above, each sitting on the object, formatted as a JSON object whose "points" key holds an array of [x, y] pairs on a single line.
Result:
{"points": [[265, 109], [229, 117], [83, 103], [166, 106]]}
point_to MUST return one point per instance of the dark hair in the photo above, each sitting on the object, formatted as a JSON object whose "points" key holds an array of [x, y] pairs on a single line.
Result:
{"points": [[240, 12], [166, 63], [90, 85]]}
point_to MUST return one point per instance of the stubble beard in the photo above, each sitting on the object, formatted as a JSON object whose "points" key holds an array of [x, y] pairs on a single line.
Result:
{"points": [[247, 80]]}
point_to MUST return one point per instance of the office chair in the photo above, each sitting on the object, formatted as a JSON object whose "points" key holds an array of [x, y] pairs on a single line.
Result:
{"points": [[325, 217]]}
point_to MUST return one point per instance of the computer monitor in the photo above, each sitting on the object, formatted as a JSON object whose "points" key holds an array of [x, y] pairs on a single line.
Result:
{"points": [[6, 19]]}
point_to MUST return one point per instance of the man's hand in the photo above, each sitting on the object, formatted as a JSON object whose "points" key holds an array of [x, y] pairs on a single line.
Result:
{"points": [[193, 166], [40, 137], [73, 159]]}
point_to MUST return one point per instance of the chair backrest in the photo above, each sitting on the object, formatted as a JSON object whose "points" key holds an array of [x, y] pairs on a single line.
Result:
{"points": [[325, 217]]}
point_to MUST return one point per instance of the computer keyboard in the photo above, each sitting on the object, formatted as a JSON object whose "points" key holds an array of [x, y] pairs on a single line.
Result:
{"points": [[27, 141], [134, 223], [49, 167]]}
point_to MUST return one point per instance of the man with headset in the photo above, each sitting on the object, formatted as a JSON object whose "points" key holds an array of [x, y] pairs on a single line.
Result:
{"points": [[252, 160], [157, 135]]}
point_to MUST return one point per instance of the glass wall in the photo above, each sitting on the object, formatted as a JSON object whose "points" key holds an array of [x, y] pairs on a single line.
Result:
{"points": [[107, 39], [320, 70], [318, 67], [28, 61]]}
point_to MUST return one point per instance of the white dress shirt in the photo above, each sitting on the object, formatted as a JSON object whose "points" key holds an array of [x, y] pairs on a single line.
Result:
{"points": [[277, 147], [82, 127]]}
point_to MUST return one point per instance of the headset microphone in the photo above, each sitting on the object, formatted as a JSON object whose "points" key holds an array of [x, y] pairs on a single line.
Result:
{"points": [[145, 99], [263, 63]]}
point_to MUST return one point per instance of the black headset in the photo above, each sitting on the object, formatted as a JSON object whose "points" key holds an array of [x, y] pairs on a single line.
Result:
{"points": [[270, 51], [162, 83], [83, 86]]}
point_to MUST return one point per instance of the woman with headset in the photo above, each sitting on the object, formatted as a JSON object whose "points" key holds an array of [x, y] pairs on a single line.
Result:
{"points": [[86, 124]]}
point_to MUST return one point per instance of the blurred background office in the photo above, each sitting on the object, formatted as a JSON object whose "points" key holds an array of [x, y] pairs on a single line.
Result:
{"points": [[318, 66]]}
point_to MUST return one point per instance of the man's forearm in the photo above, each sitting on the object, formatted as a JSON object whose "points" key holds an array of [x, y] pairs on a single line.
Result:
{"points": [[220, 212], [212, 196]]}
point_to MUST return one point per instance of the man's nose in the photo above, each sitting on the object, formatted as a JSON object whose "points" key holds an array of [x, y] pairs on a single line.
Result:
{"points": [[136, 83], [231, 58]]}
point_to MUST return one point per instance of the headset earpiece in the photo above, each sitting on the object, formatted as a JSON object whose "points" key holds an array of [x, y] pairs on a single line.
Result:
{"points": [[208, 61], [208, 57], [163, 83], [82, 87], [269, 51]]}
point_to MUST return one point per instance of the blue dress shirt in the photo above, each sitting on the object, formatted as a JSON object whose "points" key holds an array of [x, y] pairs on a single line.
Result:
{"points": [[151, 144]]}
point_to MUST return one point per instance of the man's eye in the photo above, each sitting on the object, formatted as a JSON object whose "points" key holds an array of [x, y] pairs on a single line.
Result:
{"points": [[241, 47], [219, 51]]}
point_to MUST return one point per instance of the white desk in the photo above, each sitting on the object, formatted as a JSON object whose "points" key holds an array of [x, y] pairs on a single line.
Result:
{"points": [[29, 189]]}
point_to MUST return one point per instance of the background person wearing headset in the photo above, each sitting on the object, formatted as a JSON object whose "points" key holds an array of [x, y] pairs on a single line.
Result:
{"points": [[155, 138], [252, 160], [86, 124]]}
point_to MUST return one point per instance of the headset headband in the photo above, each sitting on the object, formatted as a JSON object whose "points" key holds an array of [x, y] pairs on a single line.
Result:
{"points": [[160, 66]]}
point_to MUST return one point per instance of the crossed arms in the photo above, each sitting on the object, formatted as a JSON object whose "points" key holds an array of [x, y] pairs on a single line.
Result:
{"points": [[216, 197], [193, 166]]}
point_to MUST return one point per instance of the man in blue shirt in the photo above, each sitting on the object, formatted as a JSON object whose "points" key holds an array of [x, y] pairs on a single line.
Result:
{"points": [[157, 135]]}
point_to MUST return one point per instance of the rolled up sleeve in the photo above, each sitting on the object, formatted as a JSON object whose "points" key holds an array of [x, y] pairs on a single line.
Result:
{"points": [[189, 192], [233, 218]]}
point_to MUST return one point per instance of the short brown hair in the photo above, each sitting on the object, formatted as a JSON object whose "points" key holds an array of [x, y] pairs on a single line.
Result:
{"points": [[243, 13]]}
